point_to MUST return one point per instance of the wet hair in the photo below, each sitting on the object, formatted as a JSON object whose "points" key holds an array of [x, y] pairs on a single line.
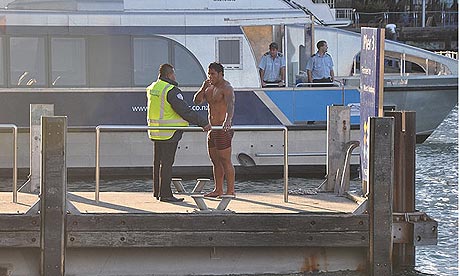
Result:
{"points": [[165, 70], [273, 45], [321, 43], [216, 66]]}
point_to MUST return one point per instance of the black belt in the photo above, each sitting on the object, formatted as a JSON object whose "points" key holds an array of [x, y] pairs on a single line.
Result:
{"points": [[323, 80]]}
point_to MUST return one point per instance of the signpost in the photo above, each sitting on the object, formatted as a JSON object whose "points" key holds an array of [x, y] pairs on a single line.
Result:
{"points": [[371, 89]]}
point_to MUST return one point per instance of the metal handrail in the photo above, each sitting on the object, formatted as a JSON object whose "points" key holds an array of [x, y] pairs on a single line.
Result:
{"points": [[319, 84], [344, 184], [297, 154], [15, 158], [144, 128]]}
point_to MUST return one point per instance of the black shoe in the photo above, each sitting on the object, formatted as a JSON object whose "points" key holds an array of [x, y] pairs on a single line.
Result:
{"points": [[156, 196], [171, 199]]}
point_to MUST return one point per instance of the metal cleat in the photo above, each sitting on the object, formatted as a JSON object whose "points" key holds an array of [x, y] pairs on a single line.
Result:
{"points": [[177, 181], [224, 202], [200, 182], [199, 200], [203, 208]]}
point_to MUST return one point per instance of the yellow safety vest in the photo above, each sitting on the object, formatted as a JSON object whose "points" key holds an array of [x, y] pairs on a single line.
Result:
{"points": [[160, 112]]}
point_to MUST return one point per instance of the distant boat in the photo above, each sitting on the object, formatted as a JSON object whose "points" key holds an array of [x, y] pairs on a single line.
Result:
{"points": [[94, 60]]}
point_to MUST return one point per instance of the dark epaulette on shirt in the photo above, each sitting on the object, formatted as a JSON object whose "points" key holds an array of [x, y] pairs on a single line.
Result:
{"points": [[313, 55], [280, 54], [267, 53]]}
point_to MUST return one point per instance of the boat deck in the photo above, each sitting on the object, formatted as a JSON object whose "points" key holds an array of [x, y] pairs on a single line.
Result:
{"points": [[143, 202]]}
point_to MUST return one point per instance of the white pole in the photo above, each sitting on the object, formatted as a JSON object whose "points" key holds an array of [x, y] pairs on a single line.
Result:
{"points": [[423, 12]]}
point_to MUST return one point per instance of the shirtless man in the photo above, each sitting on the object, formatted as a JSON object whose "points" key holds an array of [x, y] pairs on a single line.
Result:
{"points": [[218, 93]]}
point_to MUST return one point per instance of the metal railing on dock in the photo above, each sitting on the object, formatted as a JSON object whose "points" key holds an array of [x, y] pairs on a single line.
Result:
{"points": [[14, 129], [140, 128]]}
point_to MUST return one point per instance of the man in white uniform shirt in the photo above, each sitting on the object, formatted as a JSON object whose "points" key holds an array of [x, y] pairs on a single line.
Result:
{"points": [[320, 67], [272, 67]]}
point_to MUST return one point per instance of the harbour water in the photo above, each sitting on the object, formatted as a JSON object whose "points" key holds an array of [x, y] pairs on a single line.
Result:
{"points": [[436, 194]]}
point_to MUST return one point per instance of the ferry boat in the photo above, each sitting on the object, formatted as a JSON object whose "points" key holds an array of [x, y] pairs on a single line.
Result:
{"points": [[93, 60]]}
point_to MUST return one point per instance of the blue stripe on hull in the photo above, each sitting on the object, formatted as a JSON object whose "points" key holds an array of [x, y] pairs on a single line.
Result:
{"points": [[301, 106], [95, 108], [249, 109]]}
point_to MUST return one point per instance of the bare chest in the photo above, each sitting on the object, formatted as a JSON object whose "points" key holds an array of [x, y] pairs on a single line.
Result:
{"points": [[214, 95]]}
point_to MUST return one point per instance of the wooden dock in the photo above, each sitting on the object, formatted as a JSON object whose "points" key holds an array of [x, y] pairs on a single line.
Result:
{"points": [[137, 202], [260, 233], [132, 234]]}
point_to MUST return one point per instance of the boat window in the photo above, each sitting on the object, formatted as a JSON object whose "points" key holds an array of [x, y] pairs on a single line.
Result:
{"points": [[68, 62], [229, 52], [94, 61], [27, 61], [149, 54], [109, 61], [188, 70], [392, 65]]}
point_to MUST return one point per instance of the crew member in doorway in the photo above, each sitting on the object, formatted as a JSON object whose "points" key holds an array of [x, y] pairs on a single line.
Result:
{"points": [[166, 107], [320, 67], [272, 67]]}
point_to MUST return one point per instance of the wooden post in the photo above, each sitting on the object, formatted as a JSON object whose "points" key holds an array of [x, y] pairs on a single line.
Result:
{"points": [[36, 112], [338, 133], [404, 186], [381, 162], [53, 196]]}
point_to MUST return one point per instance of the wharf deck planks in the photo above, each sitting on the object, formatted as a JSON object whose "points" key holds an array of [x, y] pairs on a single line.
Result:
{"points": [[143, 202], [134, 219]]}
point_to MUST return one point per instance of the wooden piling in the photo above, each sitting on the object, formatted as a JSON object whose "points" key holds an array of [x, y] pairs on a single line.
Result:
{"points": [[404, 185], [381, 157], [53, 196], [36, 112], [338, 133]]}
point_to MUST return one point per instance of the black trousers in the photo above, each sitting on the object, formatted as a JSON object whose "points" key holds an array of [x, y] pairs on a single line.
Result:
{"points": [[163, 160]]}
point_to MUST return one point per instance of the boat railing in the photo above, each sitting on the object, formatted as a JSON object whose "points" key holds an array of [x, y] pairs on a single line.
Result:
{"points": [[450, 54], [331, 3], [319, 84], [430, 18], [344, 13], [14, 129], [140, 128]]}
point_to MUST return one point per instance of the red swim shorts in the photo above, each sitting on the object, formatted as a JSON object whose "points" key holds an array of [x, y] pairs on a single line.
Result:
{"points": [[220, 139]]}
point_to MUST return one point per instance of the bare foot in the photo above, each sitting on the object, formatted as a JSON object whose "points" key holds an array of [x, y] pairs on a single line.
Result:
{"points": [[230, 194], [213, 194]]}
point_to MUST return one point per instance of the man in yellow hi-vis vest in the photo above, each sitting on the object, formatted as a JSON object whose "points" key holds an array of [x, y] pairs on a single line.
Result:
{"points": [[166, 107]]}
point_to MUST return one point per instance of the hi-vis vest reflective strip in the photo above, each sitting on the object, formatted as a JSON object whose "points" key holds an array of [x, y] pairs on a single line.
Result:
{"points": [[160, 112]]}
